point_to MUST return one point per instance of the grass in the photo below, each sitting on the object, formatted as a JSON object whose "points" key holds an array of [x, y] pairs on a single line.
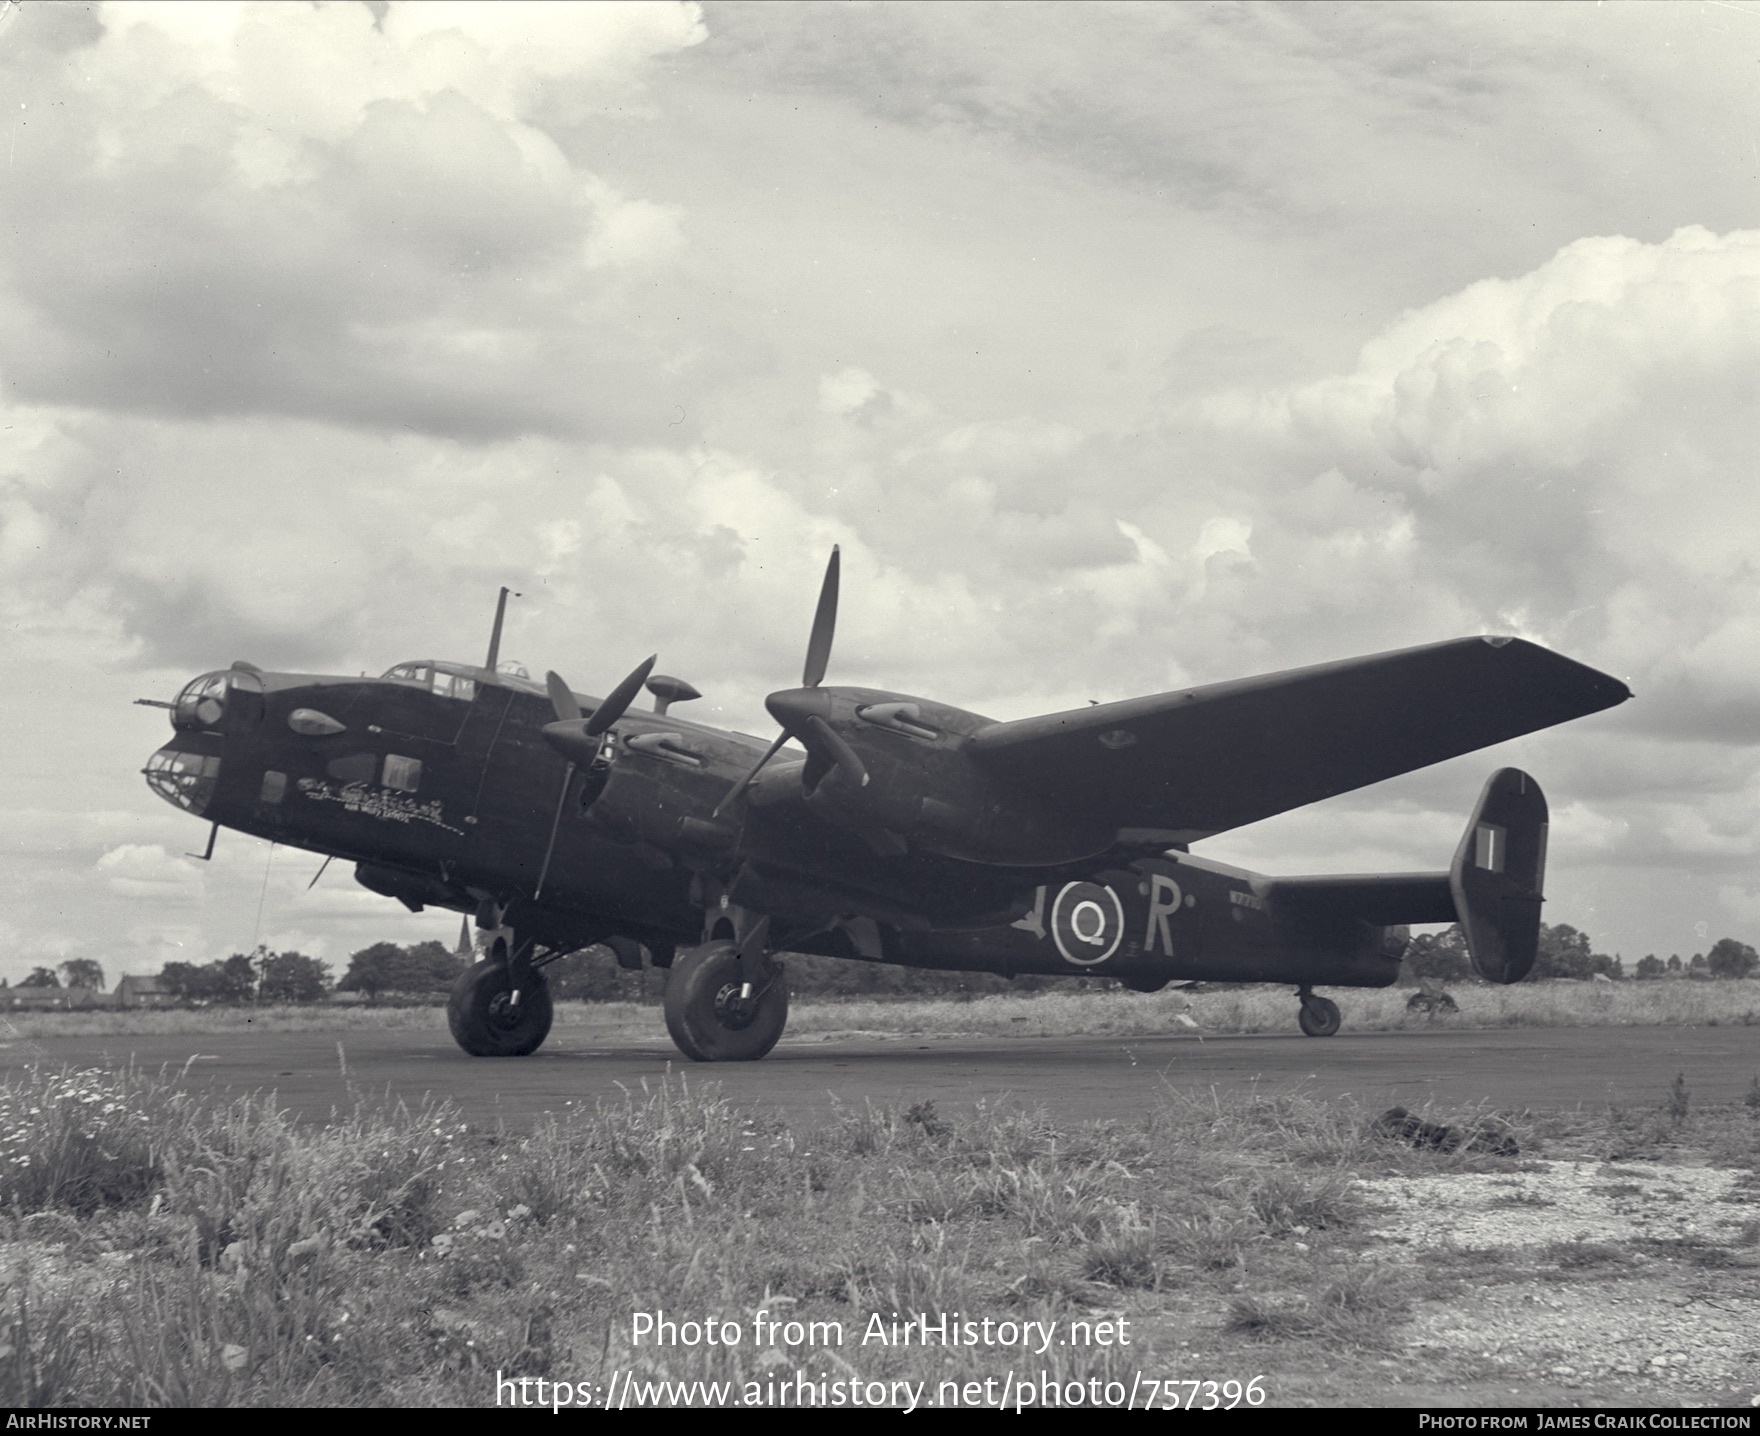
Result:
{"points": [[160, 1249], [195, 1254], [1093, 1012]]}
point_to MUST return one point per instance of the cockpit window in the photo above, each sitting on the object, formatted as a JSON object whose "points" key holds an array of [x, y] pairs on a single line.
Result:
{"points": [[436, 676], [454, 685]]}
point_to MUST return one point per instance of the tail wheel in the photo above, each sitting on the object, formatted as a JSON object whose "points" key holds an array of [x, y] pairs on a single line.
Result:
{"points": [[1319, 1016], [719, 1009], [487, 1022]]}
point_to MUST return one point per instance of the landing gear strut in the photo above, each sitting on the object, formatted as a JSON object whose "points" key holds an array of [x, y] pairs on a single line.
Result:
{"points": [[491, 1016], [1319, 1016], [721, 1008]]}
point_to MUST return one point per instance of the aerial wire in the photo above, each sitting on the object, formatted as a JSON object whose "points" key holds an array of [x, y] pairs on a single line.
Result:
{"points": [[256, 936]]}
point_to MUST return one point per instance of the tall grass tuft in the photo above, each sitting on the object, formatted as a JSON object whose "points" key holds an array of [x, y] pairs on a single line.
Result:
{"points": [[46, 1345], [76, 1140], [1356, 1306]]}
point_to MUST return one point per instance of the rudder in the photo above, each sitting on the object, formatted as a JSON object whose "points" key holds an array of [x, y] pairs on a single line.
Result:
{"points": [[1498, 873]]}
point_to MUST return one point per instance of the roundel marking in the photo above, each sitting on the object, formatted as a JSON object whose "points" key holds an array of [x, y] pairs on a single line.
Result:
{"points": [[1087, 923]]}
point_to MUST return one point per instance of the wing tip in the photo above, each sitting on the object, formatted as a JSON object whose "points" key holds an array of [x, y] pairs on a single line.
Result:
{"points": [[1598, 691]]}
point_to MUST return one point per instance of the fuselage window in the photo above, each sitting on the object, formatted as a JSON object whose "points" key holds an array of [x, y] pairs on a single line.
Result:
{"points": [[355, 768], [274, 787], [452, 685], [403, 774]]}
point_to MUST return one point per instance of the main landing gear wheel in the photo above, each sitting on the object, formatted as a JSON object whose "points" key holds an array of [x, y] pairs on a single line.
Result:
{"points": [[719, 1009], [1319, 1016], [487, 1022]]}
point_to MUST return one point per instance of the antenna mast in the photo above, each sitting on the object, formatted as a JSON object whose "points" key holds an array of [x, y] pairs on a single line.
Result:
{"points": [[495, 636]]}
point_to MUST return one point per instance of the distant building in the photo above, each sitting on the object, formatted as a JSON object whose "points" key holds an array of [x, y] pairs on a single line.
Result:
{"points": [[143, 992], [55, 999]]}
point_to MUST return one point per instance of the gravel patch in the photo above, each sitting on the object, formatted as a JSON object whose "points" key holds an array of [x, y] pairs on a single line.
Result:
{"points": [[1633, 1281], [1649, 1340], [1566, 1202]]}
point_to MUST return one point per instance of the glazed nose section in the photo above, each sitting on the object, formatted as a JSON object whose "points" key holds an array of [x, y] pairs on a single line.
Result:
{"points": [[183, 778]]}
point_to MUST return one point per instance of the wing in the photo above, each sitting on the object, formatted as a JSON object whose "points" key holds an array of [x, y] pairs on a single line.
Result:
{"points": [[1185, 765]]}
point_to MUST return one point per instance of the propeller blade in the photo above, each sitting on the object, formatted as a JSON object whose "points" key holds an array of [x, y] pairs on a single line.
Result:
{"points": [[746, 781], [841, 752], [619, 699], [824, 626], [561, 699]]}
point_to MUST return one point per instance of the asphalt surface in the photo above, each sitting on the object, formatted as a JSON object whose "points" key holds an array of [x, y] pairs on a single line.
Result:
{"points": [[1074, 1079]]}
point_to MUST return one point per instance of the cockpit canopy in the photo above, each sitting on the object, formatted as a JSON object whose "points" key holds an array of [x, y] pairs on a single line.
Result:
{"points": [[447, 680], [459, 680]]}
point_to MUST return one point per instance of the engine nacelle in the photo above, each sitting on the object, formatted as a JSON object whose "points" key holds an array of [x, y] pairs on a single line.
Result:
{"points": [[924, 790]]}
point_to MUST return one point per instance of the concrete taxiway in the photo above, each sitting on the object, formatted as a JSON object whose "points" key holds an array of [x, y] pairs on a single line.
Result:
{"points": [[1074, 1079]]}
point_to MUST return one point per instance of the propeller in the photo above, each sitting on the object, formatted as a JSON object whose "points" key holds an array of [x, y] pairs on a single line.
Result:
{"points": [[801, 711], [577, 738]]}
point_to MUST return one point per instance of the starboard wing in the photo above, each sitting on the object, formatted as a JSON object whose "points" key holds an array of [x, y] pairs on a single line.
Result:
{"points": [[1181, 766]]}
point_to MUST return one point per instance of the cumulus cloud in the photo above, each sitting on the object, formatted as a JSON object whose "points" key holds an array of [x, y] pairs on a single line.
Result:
{"points": [[145, 872], [1566, 453], [228, 209]]}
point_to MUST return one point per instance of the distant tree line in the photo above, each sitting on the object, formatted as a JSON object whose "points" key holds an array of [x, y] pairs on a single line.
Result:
{"points": [[423, 969], [420, 970], [428, 969], [75, 972], [1566, 952], [259, 976]]}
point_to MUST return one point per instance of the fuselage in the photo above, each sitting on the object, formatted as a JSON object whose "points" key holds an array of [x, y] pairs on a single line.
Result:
{"points": [[436, 781], [432, 778]]}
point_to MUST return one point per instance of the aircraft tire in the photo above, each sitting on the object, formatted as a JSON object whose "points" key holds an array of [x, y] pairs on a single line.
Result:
{"points": [[1319, 1016], [705, 1015], [482, 1022]]}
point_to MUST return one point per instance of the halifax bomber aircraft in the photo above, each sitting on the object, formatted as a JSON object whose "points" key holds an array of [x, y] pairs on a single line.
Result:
{"points": [[901, 830]]}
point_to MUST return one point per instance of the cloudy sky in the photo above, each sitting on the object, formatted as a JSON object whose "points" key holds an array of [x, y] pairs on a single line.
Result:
{"points": [[1120, 348]]}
